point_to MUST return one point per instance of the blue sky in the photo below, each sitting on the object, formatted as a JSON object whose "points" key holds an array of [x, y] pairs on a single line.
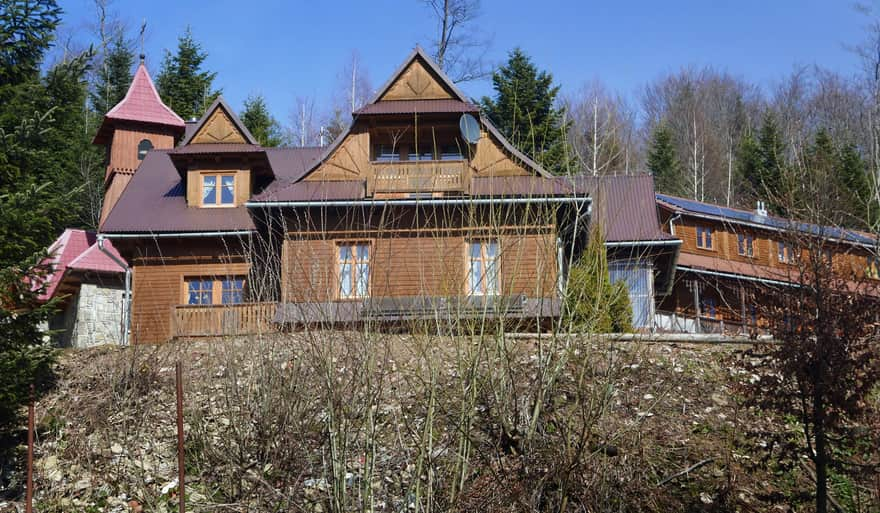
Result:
{"points": [[290, 49]]}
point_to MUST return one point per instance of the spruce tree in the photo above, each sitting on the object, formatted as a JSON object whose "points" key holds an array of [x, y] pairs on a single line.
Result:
{"points": [[524, 110], [663, 162], [259, 121], [113, 77], [182, 83], [761, 163]]}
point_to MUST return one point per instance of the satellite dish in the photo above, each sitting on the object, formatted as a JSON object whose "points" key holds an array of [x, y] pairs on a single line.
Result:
{"points": [[470, 128]]}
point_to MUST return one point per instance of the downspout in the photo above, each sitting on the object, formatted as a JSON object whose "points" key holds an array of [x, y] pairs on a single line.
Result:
{"points": [[126, 300]]}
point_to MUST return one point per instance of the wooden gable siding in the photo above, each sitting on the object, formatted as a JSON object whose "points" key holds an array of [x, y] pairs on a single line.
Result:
{"points": [[489, 159], [419, 263], [219, 128], [350, 161], [417, 82], [124, 147]]}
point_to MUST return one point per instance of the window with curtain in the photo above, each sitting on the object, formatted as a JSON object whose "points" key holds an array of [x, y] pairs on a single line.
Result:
{"points": [[353, 261], [218, 190], [483, 278], [200, 291], [638, 276]]}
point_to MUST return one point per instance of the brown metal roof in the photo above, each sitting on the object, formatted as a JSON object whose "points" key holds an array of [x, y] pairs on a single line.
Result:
{"points": [[625, 205], [290, 164], [522, 186], [204, 149], [155, 201], [315, 191], [417, 107]]}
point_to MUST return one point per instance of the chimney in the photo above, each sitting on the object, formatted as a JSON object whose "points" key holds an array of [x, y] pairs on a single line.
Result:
{"points": [[762, 209], [190, 126]]}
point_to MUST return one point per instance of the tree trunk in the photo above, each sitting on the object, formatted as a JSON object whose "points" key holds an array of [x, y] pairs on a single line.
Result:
{"points": [[821, 469]]}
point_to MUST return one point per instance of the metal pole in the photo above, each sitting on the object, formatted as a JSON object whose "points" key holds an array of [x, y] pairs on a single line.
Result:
{"points": [[29, 500], [181, 472]]}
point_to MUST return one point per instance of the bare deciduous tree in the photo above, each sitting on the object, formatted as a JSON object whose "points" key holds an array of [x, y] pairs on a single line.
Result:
{"points": [[457, 51], [602, 134]]}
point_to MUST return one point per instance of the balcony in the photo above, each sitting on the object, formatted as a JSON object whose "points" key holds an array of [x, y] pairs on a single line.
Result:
{"points": [[221, 320], [418, 176]]}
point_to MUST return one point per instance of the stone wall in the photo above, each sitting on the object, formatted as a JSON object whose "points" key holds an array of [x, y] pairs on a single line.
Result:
{"points": [[98, 308]]}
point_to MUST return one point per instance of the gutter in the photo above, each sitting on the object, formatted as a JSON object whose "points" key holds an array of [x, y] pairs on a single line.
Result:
{"points": [[126, 302], [420, 202], [633, 244], [169, 235], [737, 276]]}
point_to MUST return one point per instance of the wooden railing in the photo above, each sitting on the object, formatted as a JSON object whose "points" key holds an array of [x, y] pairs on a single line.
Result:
{"points": [[219, 320], [419, 176]]}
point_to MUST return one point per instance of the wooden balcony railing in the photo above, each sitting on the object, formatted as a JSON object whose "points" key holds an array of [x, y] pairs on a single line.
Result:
{"points": [[419, 176], [219, 320]]}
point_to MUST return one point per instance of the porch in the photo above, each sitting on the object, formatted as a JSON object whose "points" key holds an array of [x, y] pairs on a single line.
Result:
{"points": [[220, 320]]}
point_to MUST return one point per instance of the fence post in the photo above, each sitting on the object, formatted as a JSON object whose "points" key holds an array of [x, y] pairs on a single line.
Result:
{"points": [[181, 471], [29, 494]]}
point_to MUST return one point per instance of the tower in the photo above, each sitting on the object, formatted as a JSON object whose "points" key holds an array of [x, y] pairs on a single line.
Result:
{"points": [[137, 124]]}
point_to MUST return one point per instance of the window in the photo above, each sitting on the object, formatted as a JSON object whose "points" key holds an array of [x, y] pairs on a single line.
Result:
{"points": [[745, 245], [353, 262], [218, 190], [638, 276], [200, 291], [143, 147], [232, 290], [483, 268], [386, 153], [450, 152], [423, 153], [212, 291], [704, 237], [784, 253], [872, 267]]}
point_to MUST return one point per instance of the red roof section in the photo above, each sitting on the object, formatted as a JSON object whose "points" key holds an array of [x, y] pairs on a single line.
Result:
{"points": [[77, 250], [142, 104]]}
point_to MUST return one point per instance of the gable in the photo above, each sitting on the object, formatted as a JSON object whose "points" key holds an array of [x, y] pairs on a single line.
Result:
{"points": [[218, 128], [417, 82]]}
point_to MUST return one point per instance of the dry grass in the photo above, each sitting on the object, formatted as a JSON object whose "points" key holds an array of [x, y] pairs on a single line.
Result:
{"points": [[351, 421]]}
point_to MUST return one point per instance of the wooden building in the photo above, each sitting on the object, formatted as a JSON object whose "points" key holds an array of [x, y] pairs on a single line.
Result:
{"points": [[730, 258], [420, 210]]}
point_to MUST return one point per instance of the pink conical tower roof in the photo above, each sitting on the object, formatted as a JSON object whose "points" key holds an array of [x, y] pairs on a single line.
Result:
{"points": [[141, 104]]}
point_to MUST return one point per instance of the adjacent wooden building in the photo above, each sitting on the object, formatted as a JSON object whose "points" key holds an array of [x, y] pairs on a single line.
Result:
{"points": [[731, 258]]}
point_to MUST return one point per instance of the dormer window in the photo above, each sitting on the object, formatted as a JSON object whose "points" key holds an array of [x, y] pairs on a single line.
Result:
{"points": [[143, 147], [218, 190]]}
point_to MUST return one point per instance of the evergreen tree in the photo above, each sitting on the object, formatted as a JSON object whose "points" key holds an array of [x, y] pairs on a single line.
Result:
{"points": [[663, 162], [852, 176], [27, 29], [524, 111], [113, 77], [592, 302], [261, 124], [182, 83], [761, 163]]}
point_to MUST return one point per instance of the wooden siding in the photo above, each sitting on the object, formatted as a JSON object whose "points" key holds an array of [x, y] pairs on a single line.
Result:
{"points": [[490, 159], [419, 264], [416, 82], [118, 182], [124, 147], [158, 289], [219, 128], [350, 161]]}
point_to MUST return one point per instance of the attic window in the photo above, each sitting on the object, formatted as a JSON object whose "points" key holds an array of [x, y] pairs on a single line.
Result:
{"points": [[218, 190], [143, 147]]}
